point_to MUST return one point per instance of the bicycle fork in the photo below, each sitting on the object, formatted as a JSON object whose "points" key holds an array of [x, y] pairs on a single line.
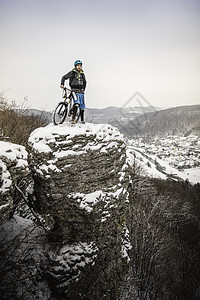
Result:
{"points": [[60, 112]]}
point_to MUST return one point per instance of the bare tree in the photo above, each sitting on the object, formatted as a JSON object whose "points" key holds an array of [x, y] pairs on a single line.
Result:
{"points": [[16, 123], [160, 258]]}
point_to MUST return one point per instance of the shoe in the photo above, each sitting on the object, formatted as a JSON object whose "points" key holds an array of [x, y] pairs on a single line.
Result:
{"points": [[83, 122]]}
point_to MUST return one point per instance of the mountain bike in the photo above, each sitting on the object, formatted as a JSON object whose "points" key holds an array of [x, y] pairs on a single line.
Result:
{"points": [[65, 109]]}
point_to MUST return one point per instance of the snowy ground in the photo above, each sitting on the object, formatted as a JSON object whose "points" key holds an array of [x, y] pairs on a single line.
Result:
{"points": [[42, 136], [193, 174]]}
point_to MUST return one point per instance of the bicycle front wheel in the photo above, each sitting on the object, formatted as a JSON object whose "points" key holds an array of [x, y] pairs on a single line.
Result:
{"points": [[60, 113]]}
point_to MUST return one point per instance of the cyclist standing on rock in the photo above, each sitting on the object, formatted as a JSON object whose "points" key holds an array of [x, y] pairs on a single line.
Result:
{"points": [[77, 82]]}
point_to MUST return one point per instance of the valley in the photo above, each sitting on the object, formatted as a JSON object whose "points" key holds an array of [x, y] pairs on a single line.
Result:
{"points": [[171, 156]]}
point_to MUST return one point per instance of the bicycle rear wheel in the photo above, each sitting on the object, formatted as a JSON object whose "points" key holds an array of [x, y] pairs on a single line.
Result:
{"points": [[76, 113], [60, 113]]}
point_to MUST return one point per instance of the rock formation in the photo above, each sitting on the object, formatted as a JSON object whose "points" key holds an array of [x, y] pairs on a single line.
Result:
{"points": [[13, 169], [81, 181]]}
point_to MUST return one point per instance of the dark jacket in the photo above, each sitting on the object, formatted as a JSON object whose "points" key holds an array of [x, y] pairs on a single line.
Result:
{"points": [[77, 80]]}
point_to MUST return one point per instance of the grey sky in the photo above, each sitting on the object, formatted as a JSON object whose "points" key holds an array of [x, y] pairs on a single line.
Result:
{"points": [[126, 46]]}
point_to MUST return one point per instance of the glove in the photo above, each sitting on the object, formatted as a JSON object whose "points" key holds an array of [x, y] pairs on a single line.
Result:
{"points": [[62, 86]]}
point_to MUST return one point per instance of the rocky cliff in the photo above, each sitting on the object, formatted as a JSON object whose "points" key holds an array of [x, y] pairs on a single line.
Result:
{"points": [[81, 182], [13, 170], [73, 241]]}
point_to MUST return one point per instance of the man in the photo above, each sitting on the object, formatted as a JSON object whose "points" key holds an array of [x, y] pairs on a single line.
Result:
{"points": [[77, 82]]}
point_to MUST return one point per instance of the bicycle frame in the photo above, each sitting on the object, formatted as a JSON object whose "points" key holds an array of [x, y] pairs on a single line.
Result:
{"points": [[67, 96]]}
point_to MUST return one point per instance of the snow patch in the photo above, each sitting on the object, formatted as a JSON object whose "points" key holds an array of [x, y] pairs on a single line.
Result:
{"points": [[42, 136], [71, 260], [126, 245], [87, 201], [14, 153]]}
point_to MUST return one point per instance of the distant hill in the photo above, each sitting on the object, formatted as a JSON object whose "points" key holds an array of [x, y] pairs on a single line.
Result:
{"points": [[147, 121], [46, 114], [182, 120], [111, 114]]}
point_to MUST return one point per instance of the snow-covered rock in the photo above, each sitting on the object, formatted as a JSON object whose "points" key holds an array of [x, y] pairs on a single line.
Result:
{"points": [[13, 170], [81, 179]]}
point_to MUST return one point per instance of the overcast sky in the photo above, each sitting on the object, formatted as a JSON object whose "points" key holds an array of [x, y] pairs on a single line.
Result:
{"points": [[150, 46]]}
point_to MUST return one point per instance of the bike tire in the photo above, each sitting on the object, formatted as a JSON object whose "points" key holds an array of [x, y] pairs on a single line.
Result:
{"points": [[60, 113]]}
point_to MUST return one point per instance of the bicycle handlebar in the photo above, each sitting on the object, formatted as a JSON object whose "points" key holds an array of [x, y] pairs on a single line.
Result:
{"points": [[65, 88]]}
